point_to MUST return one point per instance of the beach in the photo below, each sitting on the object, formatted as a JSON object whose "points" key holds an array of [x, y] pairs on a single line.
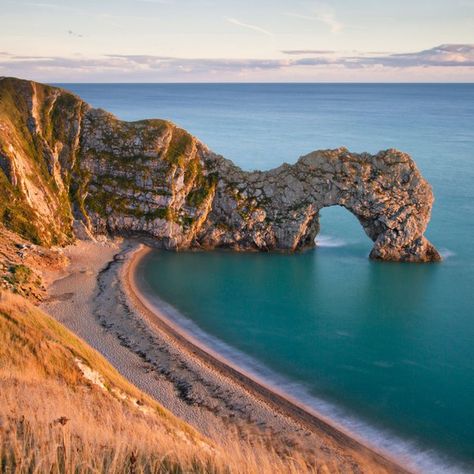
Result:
{"points": [[97, 296]]}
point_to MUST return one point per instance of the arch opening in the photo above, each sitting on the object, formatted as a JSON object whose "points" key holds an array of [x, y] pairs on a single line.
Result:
{"points": [[339, 227]]}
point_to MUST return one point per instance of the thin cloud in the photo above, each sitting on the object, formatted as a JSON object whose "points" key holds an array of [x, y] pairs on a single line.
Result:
{"points": [[140, 57], [296, 52], [250, 27], [330, 20], [323, 15], [129, 67], [445, 55]]}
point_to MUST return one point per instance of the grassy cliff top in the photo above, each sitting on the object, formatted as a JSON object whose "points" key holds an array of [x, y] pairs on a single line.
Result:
{"points": [[64, 408]]}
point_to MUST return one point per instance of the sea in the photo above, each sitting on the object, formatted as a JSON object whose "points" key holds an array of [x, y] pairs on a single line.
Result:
{"points": [[386, 350]]}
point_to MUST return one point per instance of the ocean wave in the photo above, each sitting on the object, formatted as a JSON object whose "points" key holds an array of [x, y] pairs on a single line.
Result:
{"points": [[330, 242], [446, 253], [419, 458]]}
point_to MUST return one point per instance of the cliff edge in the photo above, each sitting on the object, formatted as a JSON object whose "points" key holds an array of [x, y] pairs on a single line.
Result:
{"points": [[68, 169]]}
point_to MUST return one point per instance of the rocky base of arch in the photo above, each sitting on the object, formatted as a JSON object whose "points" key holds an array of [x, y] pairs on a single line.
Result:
{"points": [[420, 250]]}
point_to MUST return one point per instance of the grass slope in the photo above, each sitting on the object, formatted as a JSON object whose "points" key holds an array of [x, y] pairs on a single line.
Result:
{"points": [[64, 408]]}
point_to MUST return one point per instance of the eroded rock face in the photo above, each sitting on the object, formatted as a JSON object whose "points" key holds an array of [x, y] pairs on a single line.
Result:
{"points": [[153, 178], [279, 209]]}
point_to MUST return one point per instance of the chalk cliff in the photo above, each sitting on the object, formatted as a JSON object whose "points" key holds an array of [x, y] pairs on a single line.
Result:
{"points": [[67, 169]]}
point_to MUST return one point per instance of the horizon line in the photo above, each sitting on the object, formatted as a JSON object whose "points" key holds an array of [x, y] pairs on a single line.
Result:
{"points": [[261, 82]]}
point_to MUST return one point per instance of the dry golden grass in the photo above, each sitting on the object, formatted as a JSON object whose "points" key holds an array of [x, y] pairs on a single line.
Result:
{"points": [[56, 417]]}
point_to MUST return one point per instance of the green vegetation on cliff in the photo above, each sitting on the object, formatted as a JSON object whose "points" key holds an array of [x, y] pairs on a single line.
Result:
{"points": [[61, 160], [36, 130], [179, 147], [15, 214]]}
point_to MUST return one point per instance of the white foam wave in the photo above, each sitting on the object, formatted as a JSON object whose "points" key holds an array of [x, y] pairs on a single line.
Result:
{"points": [[417, 458], [446, 253], [330, 242]]}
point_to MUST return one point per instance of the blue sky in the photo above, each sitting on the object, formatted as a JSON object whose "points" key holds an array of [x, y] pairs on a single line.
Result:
{"points": [[226, 40]]}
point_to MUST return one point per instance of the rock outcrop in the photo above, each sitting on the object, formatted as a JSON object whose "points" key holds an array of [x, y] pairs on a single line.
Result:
{"points": [[65, 165]]}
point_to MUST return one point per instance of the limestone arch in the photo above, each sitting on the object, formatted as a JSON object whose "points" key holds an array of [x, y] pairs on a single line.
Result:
{"points": [[279, 208]]}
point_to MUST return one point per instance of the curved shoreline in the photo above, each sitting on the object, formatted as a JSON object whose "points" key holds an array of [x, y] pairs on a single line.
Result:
{"points": [[279, 402]]}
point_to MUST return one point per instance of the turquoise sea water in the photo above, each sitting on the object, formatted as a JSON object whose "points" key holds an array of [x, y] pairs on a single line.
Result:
{"points": [[387, 349]]}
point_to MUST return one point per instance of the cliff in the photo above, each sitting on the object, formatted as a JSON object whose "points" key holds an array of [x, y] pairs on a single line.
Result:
{"points": [[67, 169]]}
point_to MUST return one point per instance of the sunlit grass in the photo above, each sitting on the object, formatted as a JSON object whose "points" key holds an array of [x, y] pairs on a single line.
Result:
{"points": [[54, 419]]}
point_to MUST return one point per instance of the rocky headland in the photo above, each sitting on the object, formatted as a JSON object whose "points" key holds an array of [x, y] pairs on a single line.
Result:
{"points": [[68, 170]]}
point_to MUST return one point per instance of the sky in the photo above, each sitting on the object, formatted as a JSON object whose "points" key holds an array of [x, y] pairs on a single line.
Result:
{"points": [[238, 41]]}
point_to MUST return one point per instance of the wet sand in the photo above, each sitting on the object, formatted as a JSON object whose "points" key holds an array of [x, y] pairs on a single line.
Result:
{"points": [[99, 297]]}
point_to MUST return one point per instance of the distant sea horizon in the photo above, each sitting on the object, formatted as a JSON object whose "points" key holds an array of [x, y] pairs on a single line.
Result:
{"points": [[61, 84], [389, 347]]}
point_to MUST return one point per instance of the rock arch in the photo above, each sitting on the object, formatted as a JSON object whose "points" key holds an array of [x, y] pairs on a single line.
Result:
{"points": [[279, 209]]}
